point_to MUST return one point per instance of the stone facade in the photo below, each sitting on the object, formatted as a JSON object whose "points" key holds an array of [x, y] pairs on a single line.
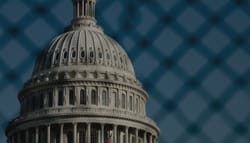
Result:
{"points": [[83, 90]]}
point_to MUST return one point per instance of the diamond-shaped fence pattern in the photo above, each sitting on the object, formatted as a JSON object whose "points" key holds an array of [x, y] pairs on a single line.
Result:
{"points": [[192, 56]]}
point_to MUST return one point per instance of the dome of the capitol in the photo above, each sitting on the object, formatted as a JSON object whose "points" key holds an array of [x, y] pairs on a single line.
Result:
{"points": [[83, 90], [84, 49]]}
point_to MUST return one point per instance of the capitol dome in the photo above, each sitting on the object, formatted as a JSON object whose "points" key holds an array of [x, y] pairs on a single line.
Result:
{"points": [[83, 90], [84, 48]]}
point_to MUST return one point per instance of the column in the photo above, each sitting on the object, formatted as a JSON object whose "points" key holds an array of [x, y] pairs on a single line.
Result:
{"points": [[89, 133], [99, 136], [37, 134], [136, 136], [61, 133], [145, 137], [83, 9], [19, 137], [27, 136], [115, 134], [75, 132], [126, 134], [78, 8], [150, 138], [155, 141], [12, 139], [102, 133], [48, 134]]}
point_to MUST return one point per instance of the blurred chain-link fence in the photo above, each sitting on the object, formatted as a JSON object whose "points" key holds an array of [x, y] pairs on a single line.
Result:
{"points": [[192, 56]]}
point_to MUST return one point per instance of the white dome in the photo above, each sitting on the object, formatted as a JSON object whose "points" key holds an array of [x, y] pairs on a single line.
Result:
{"points": [[83, 49]]}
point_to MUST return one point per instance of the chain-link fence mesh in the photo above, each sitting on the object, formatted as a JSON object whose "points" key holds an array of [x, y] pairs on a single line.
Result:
{"points": [[192, 56]]}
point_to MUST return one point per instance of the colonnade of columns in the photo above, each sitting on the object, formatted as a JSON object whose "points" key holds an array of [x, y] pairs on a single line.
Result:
{"points": [[82, 133]]}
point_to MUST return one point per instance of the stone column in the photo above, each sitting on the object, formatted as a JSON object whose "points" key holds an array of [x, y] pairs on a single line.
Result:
{"points": [[155, 140], [12, 139], [61, 133], [150, 138], [115, 134], [136, 136], [27, 136], [99, 136], [126, 134], [145, 137], [102, 133], [48, 134], [89, 133], [75, 132], [19, 137], [37, 134]]}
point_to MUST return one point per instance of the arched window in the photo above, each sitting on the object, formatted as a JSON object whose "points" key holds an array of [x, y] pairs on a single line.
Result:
{"points": [[73, 54], [83, 99], [33, 103], [92, 54], [57, 56], [82, 54], [105, 98], [50, 102], [65, 55], [41, 101], [71, 97], [94, 98], [137, 105], [116, 100], [60, 97], [123, 101], [25, 105], [130, 103]]}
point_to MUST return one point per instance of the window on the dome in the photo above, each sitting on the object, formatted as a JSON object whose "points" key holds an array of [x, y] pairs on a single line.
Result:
{"points": [[94, 98], [60, 97], [50, 102], [33, 102], [83, 99], [130, 103], [57, 56], [137, 105], [123, 101], [74, 54], [105, 98], [116, 99], [71, 97], [65, 55], [115, 58], [41, 101], [82, 54], [91, 54]]}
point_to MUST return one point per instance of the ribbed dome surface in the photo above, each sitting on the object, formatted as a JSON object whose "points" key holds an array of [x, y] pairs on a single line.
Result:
{"points": [[83, 49]]}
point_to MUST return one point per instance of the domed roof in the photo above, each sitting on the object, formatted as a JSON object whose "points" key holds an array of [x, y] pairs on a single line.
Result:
{"points": [[84, 48]]}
